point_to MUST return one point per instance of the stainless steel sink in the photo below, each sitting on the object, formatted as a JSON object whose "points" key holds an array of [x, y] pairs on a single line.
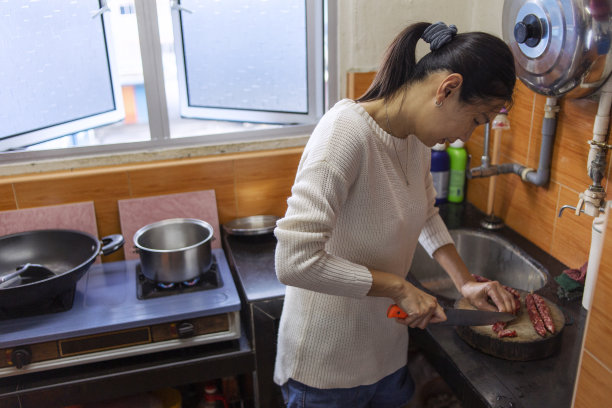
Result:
{"points": [[486, 255]]}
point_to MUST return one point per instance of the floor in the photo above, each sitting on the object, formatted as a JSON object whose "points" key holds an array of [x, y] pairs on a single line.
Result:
{"points": [[431, 390]]}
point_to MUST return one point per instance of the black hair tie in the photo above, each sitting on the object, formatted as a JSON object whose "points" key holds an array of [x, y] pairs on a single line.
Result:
{"points": [[439, 34]]}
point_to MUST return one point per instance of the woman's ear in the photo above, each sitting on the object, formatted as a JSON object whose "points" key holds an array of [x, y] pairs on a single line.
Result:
{"points": [[448, 86]]}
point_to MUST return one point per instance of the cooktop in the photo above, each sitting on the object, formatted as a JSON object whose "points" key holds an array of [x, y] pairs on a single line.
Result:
{"points": [[106, 299]]}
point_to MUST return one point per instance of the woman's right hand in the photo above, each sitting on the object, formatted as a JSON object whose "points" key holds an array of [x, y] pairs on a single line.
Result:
{"points": [[421, 307]]}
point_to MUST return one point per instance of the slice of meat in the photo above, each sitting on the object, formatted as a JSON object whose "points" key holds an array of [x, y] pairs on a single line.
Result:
{"points": [[514, 292], [507, 333], [480, 278], [534, 315], [545, 313], [499, 326]]}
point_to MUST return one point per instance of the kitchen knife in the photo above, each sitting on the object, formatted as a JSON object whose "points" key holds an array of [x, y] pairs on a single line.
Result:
{"points": [[460, 317]]}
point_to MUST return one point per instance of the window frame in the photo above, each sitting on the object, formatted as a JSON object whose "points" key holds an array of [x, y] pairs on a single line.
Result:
{"points": [[158, 115]]}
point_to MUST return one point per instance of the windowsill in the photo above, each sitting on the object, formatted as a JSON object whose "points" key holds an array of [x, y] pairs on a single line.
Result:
{"points": [[21, 163]]}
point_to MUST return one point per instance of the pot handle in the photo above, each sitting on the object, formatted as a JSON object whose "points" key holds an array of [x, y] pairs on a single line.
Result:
{"points": [[111, 243]]}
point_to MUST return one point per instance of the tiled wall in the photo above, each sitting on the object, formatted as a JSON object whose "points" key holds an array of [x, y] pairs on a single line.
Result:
{"points": [[533, 211], [245, 184]]}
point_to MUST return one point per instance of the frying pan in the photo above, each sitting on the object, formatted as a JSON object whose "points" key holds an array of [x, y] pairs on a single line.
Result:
{"points": [[67, 253]]}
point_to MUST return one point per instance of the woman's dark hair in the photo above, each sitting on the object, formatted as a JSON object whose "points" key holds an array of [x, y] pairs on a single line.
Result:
{"points": [[484, 61]]}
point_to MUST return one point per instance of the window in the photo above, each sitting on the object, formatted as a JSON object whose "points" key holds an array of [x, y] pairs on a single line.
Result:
{"points": [[47, 89], [138, 73]]}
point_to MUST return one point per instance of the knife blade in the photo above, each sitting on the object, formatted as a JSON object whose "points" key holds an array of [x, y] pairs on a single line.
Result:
{"points": [[461, 317]]}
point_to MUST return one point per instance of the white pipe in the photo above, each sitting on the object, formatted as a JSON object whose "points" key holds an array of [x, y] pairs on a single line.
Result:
{"points": [[602, 121], [595, 253]]}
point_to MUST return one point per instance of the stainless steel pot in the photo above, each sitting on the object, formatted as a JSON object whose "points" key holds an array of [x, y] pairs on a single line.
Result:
{"points": [[174, 250]]}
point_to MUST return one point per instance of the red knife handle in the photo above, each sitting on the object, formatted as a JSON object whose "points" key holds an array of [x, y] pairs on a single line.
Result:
{"points": [[395, 311]]}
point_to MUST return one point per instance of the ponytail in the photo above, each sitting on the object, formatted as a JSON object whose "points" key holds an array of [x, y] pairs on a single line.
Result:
{"points": [[398, 64]]}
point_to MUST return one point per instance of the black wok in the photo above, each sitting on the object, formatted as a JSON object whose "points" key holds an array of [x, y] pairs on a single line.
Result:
{"points": [[67, 253]]}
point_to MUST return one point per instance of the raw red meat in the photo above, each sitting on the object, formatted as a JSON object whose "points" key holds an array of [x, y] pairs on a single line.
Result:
{"points": [[544, 311], [481, 278], [507, 333], [534, 315], [499, 326]]}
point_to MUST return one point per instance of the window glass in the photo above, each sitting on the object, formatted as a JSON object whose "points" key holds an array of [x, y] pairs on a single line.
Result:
{"points": [[245, 54], [46, 88]]}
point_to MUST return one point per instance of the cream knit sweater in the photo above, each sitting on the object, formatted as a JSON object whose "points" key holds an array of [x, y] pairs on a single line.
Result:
{"points": [[351, 209]]}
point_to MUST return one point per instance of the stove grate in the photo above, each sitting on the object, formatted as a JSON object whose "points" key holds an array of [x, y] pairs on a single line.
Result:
{"points": [[148, 289]]}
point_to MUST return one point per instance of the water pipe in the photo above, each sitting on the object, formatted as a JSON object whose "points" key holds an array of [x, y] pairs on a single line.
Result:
{"points": [[593, 198], [539, 177], [500, 123]]}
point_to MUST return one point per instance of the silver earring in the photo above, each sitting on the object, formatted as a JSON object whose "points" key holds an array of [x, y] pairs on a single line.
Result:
{"points": [[438, 103]]}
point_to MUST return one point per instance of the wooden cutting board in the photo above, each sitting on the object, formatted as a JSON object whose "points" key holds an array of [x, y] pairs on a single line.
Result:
{"points": [[528, 345]]}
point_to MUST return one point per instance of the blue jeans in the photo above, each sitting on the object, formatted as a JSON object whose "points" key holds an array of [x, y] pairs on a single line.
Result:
{"points": [[393, 391]]}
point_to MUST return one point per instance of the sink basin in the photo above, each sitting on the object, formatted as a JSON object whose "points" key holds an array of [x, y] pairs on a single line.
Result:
{"points": [[484, 254]]}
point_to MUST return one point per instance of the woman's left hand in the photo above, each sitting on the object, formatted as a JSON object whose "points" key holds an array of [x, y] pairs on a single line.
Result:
{"points": [[479, 293]]}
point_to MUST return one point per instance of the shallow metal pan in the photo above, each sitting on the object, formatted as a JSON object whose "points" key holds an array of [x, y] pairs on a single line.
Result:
{"points": [[253, 225]]}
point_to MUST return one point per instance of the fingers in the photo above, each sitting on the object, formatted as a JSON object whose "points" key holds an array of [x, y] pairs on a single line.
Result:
{"points": [[500, 297], [424, 309], [482, 304], [438, 316], [479, 294]]}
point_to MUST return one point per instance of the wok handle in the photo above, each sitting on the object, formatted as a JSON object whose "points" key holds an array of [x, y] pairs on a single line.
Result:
{"points": [[111, 243]]}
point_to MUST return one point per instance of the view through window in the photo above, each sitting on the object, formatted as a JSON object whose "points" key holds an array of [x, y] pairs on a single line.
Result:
{"points": [[77, 76]]}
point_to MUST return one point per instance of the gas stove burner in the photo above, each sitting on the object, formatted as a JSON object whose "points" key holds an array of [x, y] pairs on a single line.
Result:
{"points": [[191, 282], [148, 289]]}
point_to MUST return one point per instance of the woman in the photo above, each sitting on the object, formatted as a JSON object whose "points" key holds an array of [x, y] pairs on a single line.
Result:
{"points": [[362, 199]]}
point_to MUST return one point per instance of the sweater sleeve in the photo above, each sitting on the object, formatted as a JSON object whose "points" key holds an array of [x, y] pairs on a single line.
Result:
{"points": [[434, 233], [301, 259]]}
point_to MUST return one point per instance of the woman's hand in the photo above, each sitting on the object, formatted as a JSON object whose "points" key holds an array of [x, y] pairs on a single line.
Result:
{"points": [[421, 307], [479, 293]]}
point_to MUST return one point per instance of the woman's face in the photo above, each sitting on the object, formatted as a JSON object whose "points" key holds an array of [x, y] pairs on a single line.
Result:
{"points": [[453, 119], [457, 120]]}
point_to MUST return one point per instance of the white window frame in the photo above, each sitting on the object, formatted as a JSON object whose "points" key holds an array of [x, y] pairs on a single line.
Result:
{"points": [[156, 102]]}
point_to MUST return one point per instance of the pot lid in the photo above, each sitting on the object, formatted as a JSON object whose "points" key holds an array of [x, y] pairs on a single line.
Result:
{"points": [[559, 45]]}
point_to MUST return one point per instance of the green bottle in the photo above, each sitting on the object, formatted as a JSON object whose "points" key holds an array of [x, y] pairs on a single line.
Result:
{"points": [[458, 163]]}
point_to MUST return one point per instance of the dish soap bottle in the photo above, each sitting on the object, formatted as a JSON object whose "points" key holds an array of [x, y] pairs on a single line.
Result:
{"points": [[440, 165], [458, 163]]}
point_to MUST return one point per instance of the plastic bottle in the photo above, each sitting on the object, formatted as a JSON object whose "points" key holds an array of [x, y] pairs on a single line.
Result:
{"points": [[458, 163], [212, 397], [440, 166]]}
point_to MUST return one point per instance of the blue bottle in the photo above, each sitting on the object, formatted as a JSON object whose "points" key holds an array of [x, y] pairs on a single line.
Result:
{"points": [[440, 167]]}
